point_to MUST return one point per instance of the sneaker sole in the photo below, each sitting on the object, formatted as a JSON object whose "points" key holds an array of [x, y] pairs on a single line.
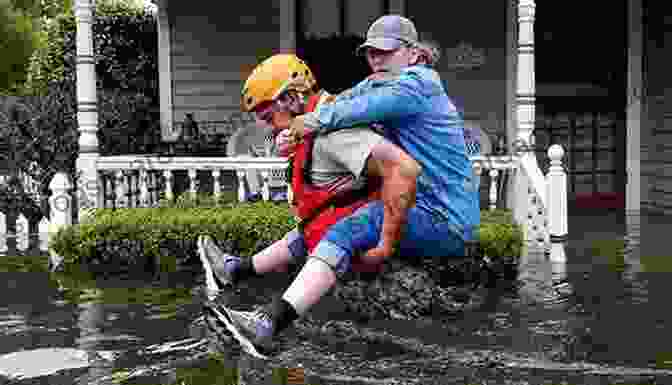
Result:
{"points": [[242, 340], [211, 282]]}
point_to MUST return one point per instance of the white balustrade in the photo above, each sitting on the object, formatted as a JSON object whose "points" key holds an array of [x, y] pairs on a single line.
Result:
{"points": [[144, 187]]}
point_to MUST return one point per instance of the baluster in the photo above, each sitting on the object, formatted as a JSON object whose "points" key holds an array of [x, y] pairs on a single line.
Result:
{"points": [[109, 190], [3, 232], [537, 231], [158, 184], [138, 187], [100, 190], [152, 186], [149, 184], [216, 187], [290, 193], [168, 177], [144, 189], [556, 184], [478, 171], [494, 173], [192, 182], [265, 187], [43, 229], [241, 185], [120, 189], [135, 181], [130, 179], [22, 232]]}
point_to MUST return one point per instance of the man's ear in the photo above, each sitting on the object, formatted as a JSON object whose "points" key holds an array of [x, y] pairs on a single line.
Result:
{"points": [[413, 56], [295, 103]]}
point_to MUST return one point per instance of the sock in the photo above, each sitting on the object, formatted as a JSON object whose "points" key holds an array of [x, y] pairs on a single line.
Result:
{"points": [[313, 281], [245, 268], [282, 313]]}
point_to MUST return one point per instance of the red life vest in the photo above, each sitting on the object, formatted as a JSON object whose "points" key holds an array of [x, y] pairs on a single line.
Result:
{"points": [[317, 207]]}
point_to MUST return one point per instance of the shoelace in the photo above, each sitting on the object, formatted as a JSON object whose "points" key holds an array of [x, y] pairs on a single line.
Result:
{"points": [[231, 262], [264, 316], [264, 320]]}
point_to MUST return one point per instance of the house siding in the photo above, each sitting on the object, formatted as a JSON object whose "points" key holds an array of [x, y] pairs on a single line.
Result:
{"points": [[482, 91], [213, 50], [656, 138]]}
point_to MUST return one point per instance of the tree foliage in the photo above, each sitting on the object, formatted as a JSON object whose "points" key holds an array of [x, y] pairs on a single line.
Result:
{"points": [[19, 36], [42, 122], [124, 51]]}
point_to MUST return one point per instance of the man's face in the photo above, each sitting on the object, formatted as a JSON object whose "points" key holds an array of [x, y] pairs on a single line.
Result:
{"points": [[390, 60], [280, 112]]}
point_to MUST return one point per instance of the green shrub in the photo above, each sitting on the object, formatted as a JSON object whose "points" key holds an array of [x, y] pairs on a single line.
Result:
{"points": [[201, 200], [498, 234], [167, 234], [161, 235]]}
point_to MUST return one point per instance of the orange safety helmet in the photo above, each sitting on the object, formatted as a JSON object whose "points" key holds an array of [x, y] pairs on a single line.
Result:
{"points": [[272, 77]]}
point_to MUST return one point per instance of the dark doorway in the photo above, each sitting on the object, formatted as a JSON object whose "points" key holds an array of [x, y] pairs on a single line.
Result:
{"points": [[581, 77]]}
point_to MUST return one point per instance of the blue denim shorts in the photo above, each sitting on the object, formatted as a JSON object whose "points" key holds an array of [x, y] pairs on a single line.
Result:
{"points": [[423, 236]]}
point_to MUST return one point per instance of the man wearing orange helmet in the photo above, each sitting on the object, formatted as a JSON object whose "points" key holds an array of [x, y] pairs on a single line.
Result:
{"points": [[332, 176], [418, 116]]}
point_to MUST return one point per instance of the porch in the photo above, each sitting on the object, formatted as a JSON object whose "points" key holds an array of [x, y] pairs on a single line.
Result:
{"points": [[512, 179]]}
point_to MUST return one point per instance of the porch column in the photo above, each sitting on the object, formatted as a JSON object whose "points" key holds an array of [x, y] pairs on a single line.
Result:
{"points": [[165, 71], [525, 94], [87, 107], [525, 100], [511, 87], [634, 107]]}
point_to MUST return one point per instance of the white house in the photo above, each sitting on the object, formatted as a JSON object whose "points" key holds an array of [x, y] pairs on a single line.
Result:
{"points": [[207, 49]]}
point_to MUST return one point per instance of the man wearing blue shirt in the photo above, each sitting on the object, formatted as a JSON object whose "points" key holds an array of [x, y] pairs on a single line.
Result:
{"points": [[411, 104]]}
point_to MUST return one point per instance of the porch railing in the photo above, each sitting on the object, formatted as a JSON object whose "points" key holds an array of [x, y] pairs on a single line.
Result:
{"points": [[141, 181]]}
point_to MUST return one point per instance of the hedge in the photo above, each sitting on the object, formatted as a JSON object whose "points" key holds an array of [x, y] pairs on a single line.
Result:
{"points": [[166, 236]]}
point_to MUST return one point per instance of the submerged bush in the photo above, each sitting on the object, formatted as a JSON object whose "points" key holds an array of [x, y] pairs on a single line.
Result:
{"points": [[167, 234]]}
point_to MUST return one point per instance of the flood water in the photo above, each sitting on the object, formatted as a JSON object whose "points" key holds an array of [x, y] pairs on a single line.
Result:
{"points": [[601, 317]]}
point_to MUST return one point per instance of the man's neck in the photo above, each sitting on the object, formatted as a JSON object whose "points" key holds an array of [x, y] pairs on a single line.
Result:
{"points": [[314, 99]]}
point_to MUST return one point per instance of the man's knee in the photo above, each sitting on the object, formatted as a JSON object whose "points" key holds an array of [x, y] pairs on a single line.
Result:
{"points": [[333, 255], [296, 245]]}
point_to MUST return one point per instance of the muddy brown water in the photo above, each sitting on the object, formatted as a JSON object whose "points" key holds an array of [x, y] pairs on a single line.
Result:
{"points": [[601, 317]]}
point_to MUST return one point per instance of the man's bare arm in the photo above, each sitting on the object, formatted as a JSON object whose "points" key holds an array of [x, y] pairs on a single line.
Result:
{"points": [[399, 173]]}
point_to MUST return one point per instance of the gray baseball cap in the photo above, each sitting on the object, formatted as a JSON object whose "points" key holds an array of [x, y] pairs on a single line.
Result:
{"points": [[389, 32]]}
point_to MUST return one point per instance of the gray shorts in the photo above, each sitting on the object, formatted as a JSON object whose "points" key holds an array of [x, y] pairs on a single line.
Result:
{"points": [[342, 155]]}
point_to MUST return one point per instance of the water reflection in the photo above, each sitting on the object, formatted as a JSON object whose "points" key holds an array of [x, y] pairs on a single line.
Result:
{"points": [[592, 302]]}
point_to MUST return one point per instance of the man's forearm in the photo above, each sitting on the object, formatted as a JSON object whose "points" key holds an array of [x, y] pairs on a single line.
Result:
{"points": [[399, 174], [395, 100], [398, 194]]}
